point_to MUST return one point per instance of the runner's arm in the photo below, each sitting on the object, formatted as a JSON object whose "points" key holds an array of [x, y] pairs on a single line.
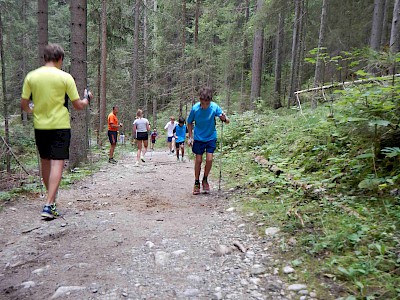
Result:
{"points": [[224, 118], [190, 133], [25, 105], [134, 131], [80, 104]]}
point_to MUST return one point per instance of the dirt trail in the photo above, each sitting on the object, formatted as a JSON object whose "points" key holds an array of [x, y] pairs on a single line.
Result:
{"points": [[134, 232]]}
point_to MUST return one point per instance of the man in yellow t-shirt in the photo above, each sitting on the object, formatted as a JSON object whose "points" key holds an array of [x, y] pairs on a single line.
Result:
{"points": [[48, 86], [113, 126]]}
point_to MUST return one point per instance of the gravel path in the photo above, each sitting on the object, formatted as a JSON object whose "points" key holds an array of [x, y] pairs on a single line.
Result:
{"points": [[133, 232]]}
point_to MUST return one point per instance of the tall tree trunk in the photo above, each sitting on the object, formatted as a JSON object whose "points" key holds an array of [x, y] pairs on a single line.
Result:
{"points": [[145, 51], [257, 58], [183, 45], [195, 43], [103, 67], [278, 59], [395, 32], [79, 127], [24, 114], [4, 90], [319, 67], [43, 33], [295, 45], [245, 62], [385, 25], [155, 96], [377, 22], [135, 62], [301, 47]]}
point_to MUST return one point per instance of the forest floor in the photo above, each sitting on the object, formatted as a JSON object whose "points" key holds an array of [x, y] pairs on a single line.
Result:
{"points": [[137, 232]]}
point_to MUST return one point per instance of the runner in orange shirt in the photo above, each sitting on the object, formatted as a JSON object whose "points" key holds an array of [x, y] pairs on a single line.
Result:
{"points": [[113, 126]]}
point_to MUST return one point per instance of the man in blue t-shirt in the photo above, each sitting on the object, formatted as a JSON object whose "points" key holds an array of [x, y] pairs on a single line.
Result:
{"points": [[203, 114]]}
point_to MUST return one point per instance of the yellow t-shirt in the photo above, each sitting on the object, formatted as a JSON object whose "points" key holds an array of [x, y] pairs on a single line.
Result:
{"points": [[48, 86]]}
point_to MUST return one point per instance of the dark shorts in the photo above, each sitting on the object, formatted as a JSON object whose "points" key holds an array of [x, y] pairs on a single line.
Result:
{"points": [[142, 136], [53, 144], [179, 143], [112, 137], [153, 141], [201, 147], [169, 139]]}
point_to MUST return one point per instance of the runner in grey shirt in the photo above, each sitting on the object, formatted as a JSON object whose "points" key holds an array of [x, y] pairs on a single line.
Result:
{"points": [[141, 127]]}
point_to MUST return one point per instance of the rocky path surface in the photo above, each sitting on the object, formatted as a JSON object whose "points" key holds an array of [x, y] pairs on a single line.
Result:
{"points": [[137, 232]]}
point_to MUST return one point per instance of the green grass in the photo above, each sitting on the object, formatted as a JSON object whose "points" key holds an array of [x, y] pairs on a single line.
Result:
{"points": [[336, 203]]}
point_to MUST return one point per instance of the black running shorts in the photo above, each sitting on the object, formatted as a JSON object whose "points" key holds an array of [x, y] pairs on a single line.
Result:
{"points": [[112, 136], [142, 136], [53, 143]]}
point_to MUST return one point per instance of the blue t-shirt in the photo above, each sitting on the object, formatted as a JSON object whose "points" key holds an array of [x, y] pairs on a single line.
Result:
{"points": [[180, 132], [204, 119]]}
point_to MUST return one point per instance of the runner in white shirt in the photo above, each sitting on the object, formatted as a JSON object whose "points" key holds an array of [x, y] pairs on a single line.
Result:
{"points": [[170, 126]]}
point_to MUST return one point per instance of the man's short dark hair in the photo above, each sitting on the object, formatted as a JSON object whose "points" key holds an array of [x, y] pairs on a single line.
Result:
{"points": [[53, 52], [205, 93]]}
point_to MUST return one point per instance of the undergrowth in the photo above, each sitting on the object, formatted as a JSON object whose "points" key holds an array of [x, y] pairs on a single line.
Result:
{"points": [[319, 177]]}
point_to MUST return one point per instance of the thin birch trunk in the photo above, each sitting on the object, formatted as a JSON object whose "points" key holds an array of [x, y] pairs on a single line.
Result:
{"points": [[257, 59], [135, 56], [5, 98], [278, 60], [319, 67], [295, 45]]}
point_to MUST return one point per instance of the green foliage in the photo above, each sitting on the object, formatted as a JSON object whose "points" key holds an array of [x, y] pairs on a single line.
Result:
{"points": [[323, 178], [391, 151]]}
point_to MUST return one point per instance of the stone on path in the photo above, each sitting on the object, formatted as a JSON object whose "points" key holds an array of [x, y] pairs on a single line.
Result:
{"points": [[288, 270], [297, 287], [63, 290], [271, 231]]}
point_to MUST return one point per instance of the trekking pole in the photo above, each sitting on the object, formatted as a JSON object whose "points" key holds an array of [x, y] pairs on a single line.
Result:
{"points": [[220, 157], [89, 132], [40, 173]]}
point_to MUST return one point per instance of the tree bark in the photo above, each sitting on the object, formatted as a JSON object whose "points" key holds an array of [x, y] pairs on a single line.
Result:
{"points": [[195, 43], [377, 22], [295, 46], [24, 114], [43, 35], [319, 67], [135, 62], [79, 127], [385, 25], [257, 59], [278, 59], [155, 96], [183, 46], [5, 98], [145, 51], [245, 62], [103, 67], [395, 32], [301, 47]]}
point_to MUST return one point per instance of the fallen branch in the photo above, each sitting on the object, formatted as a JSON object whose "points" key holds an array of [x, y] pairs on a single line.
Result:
{"points": [[31, 229], [342, 84], [238, 245]]}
